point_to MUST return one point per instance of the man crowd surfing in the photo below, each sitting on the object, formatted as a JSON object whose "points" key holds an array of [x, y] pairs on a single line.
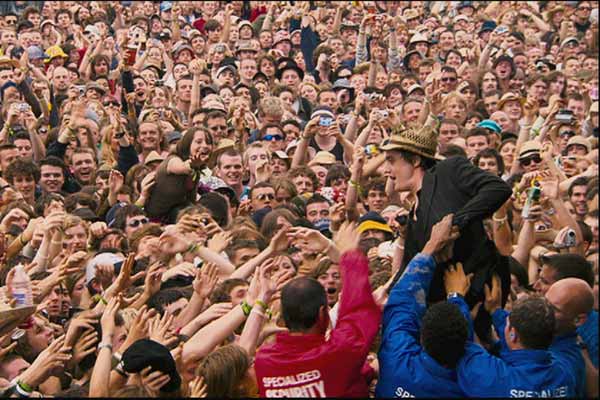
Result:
{"points": [[299, 199]]}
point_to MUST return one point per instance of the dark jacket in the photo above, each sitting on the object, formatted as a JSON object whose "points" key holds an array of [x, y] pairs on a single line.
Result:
{"points": [[457, 186]]}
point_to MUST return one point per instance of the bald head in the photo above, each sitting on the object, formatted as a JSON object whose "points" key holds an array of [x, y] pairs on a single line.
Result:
{"points": [[572, 299]]}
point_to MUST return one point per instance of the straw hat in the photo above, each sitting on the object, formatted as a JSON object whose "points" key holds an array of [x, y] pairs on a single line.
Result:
{"points": [[510, 97], [422, 141], [322, 158], [153, 156]]}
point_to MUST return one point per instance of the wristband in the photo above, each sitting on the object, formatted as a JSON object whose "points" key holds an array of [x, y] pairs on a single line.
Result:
{"points": [[246, 308], [256, 311], [98, 298], [24, 386], [192, 249], [105, 346], [262, 304], [495, 219], [23, 243]]}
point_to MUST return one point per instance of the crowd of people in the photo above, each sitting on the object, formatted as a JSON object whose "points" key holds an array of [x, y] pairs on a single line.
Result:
{"points": [[299, 199]]}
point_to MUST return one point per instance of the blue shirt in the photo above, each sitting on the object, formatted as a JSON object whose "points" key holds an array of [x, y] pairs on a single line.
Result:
{"points": [[589, 334], [516, 373], [405, 369], [565, 349]]}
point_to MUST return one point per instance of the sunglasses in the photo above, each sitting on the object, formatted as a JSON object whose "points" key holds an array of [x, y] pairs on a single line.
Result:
{"points": [[526, 161], [584, 8], [270, 138], [137, 222], [568, 133], [218, 128], [448, 79], [110, 103], [265, 196]]}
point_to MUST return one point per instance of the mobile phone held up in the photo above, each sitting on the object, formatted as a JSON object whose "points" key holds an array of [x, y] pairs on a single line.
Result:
{"points": [[325, 121]]}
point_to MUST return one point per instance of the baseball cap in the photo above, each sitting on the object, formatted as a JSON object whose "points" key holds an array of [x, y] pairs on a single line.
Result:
{"points": [[148, 353]]}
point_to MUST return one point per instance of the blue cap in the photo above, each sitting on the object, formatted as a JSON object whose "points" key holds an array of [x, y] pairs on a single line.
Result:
{"points": [[35, 53], [165, 6], [464, 4], [490, 124], [111, 214], [487, 26]]}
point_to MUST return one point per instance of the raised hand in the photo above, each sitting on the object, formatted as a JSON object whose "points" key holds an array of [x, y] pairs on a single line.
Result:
{"points": [[206, 280], [493, 296], [153, 381], [159, 330], [198, 388], [455, 280], [347, 237]]}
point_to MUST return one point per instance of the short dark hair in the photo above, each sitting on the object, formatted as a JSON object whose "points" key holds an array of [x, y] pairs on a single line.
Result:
{"points": [[301, 300], [444, 332], [533, 319], [212, 25], [337, 171], [130, 210], [316, 198], [260, 185], [374, 184], [477, 132], [570, 266], [490, 153], [44, 201], [581, 181], [20, 167], [426, 162], [453, 150], [221, 292], [164, 298]]}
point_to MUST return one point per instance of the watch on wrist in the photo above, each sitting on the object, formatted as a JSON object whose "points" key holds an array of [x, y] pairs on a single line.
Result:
{"points": [[454, 295]]}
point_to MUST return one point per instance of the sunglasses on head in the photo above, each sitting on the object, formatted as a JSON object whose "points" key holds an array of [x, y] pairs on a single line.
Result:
{"points": [[270, 138], [528, 160], [137, 222]]}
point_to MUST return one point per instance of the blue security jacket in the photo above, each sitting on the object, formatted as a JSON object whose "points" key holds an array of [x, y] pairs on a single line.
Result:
{"points": [[405, 369], [516, 373], [589, 333], [565, 349]]}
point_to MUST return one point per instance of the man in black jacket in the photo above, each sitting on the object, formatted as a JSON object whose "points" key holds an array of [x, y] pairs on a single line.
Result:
{"points": [[452, 186]]}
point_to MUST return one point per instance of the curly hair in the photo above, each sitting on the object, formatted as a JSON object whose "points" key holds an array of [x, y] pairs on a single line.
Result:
{"points": [[20, 167], [444, 333]]}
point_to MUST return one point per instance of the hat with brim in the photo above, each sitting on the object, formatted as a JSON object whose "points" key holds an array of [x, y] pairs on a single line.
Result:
{"points": [[349, 26], [422, 142], [173, 136], [153, 157], [569, 40], [245, 46], [322, 158], [413, 88], [510, 96], [461, 17], [410, 13], [245, 23], [409, 55], [182, 47], [4, 60], [86, 214], [487, 26], [259, 76], [579, 140], [55, 51], [281, 36], [96, 87], [374, 225], [530, 148], [227, 67], [418, 38], [288, 66], [208, 89]]}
